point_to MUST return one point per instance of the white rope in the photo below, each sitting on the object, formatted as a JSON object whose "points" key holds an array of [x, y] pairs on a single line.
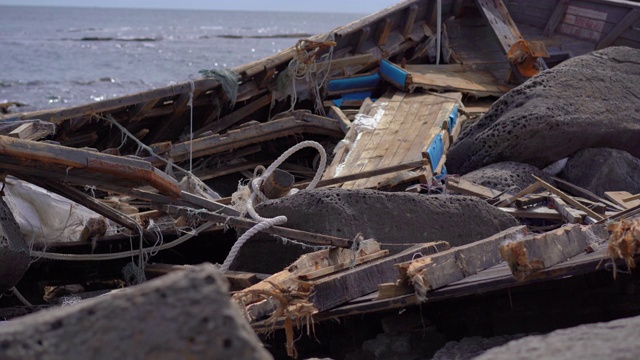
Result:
{"points": [[120, 255], [256, 183], [22, 299]]}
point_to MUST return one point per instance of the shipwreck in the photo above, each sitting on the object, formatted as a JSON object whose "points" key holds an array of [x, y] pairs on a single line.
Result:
{"points": [[433, 171]]}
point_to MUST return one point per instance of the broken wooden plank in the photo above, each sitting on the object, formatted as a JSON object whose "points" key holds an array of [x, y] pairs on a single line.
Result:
{"points": [[280, 290], [569, 199], [234, 117], [620, 27], [537, 252], [33, 130], [435, 271], [68, 162], [620, 197], [555, 18], [526, 191], [361, 280], [251, 135], [465, 187], [312, 275], [336, 113], [87, 201], [568, 213], [391, 290], [530, 200], [455, 77], [579, 191]]}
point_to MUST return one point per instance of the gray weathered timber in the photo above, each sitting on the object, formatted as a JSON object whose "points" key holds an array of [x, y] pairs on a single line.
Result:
{"points": [[538, 252]]}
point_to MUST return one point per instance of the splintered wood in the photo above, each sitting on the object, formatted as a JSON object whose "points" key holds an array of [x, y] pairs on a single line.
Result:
{"points": [[624, 242], [534, 253], [398, 129], [432, 272]]}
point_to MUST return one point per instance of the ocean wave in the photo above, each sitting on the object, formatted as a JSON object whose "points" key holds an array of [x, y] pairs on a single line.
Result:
{"points": [[109, 38], [274, 36], [5, 84]]}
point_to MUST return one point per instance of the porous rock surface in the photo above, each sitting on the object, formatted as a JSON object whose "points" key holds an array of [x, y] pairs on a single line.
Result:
{"points": [[390, 218], [603, 169], [587, 101], [611, 340], [14, 252], [182, 315], [470, 347], [506, 175]]}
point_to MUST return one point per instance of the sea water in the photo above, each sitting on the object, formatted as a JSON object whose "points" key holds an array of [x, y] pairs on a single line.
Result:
{"points": [[52, 57]]}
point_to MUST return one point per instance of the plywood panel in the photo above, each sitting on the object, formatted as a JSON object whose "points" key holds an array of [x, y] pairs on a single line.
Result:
{"points": [[400, 136]]}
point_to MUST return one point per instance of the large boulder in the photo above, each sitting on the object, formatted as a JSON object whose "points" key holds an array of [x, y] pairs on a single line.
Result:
{"points": [[397, 220], [602, 169], [587, 101], [14, 252], [182, 315], [611, 340], [509, 175]]}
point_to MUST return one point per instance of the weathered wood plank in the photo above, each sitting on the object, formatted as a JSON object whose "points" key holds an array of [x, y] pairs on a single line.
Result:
{"points": [[538, 252], [556, 17], [620, 27], [34, 130], [251, 135], [234, 117], [465, 187], [568, 213], [579, 191], [457, 77], [350, 284], [432, 272], [60, 159], [568, 199], [619, 198]]}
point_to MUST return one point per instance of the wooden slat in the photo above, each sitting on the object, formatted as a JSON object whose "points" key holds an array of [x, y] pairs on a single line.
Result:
{"points": [[432, 272], [579, 191], [568, 213], [556, 17], [465, 187], [461, 78], [251, 135], [236, 116], [619, 29], [619, 198], [534, 253], [569, 199]]}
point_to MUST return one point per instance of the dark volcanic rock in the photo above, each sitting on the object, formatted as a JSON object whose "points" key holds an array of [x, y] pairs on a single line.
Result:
{"points": [[182, 315], [602, 169], [612, 340], [506, 175], [587, 101], [390, 218]]}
